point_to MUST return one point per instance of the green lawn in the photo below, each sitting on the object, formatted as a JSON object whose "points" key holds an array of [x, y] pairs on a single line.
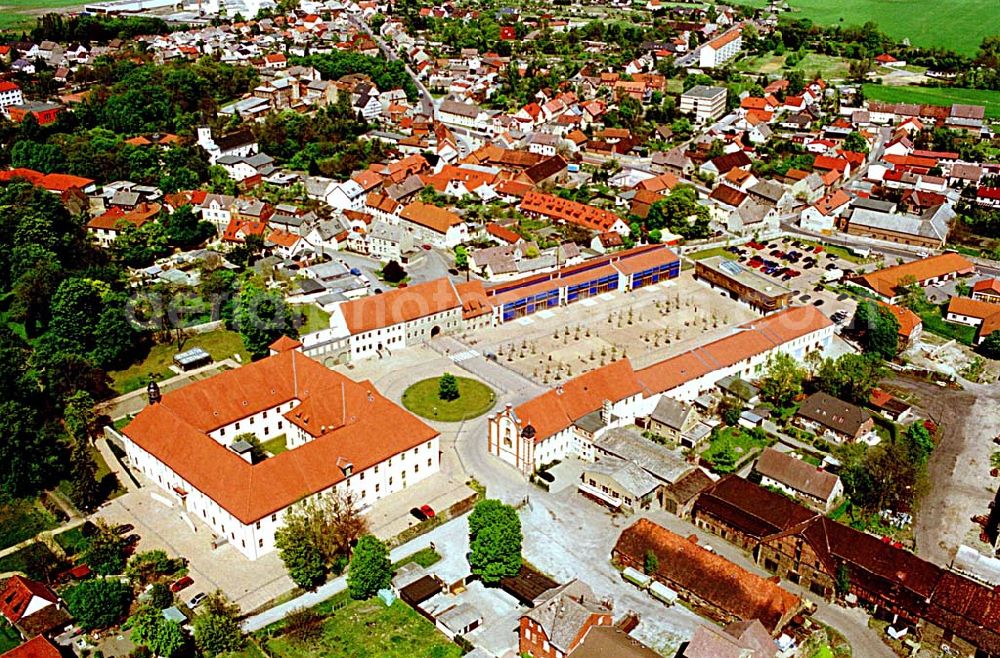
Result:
{"points": [[841, 252], [829, 67], [23, 519], [474, 399], [714, 251], [9, 638], [934, 323], [221, 344], [368, 629], [275, 446], [959, 25], [735, 440], [822, 652], [315, 318], [425, 557], [936, 96], [35, 560], [72, 541]]}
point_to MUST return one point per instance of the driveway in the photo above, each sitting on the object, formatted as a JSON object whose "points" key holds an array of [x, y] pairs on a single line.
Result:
{"points": [[248, 583], [958, 470]]}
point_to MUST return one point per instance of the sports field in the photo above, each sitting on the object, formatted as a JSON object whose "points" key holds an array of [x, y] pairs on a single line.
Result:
{"points": [[937, 96], [959, 25]]}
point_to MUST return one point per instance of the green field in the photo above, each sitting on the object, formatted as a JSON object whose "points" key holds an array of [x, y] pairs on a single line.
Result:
{"points": [[21, 14], [936, 96], [475, 399], [829, 67], [958, 25], [221, 344]]}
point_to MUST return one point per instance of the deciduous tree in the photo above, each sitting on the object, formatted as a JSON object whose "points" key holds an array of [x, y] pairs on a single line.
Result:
{"points": [[494, 541], [370, 568], [98, 603], [217, 626], [782, 381]]}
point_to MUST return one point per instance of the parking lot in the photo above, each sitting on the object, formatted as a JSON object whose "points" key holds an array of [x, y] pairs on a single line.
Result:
{"points": [[807, 269]]}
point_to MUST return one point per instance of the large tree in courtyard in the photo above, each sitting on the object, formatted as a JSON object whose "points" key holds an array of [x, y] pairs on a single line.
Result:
{"points": [[494, 541]]}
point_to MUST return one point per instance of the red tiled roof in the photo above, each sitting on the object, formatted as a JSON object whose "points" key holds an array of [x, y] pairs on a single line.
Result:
{"points": [[907, 319], [750, 339], [400, 305], [560, 407], [115, 216], [710, 577], [37, 647], [18, 594], [595, 219], [886, 280], [502, 233], [342, 415], [429, 216]]}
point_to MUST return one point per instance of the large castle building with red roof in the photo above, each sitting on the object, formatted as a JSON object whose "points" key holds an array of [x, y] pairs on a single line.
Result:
{"points": [[340, 435]]}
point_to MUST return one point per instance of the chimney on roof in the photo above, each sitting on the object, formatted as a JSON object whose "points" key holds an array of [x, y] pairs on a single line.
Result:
{"points": [[606, 412]]}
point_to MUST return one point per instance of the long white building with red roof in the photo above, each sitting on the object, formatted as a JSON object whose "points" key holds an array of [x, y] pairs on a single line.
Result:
{"points": [[566, 420], [340, 435]]}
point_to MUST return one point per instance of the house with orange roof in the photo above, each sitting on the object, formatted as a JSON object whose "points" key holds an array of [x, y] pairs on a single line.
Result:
{"points": [[822, 215], [377, 325], [539, 204], [910, 324], [984, 316], [106, 227], [889, 282], [564, 420], [721, 49], [187, 443], [434, 225], [987, 290]]}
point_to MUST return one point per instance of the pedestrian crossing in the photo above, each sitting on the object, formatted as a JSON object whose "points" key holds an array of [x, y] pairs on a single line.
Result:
{"points": [[464, 356]]}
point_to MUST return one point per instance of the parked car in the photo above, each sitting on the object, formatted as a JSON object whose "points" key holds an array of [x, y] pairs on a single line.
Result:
{"points": [[197, 599], [355, 271], [452, 271], [132, 539], [428, 511], [418, 514], [425, 247], [181, 583], [124, 528], [818, 302]]}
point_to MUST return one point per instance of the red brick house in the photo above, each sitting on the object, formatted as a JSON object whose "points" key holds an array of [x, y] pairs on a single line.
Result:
{"points": [[560, 620]]}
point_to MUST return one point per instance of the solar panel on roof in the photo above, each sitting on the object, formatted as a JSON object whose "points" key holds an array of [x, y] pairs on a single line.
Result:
{"points": [[731, 268]]}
